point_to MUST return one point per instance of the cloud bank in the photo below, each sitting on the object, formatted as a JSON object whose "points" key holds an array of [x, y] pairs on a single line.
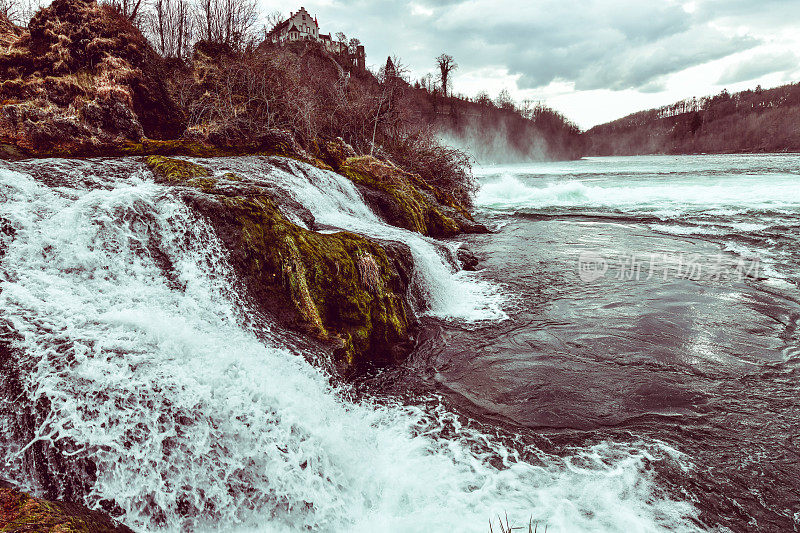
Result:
{"points": [[587, 45]]}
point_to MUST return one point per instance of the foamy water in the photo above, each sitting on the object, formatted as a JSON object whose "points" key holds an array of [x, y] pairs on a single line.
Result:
{"points": [[749, 204], [136, 356], [662, 299], [444, 289], [662, 196]]}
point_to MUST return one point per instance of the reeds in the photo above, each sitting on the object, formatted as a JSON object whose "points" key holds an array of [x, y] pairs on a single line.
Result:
{"points": [[507, 527]]}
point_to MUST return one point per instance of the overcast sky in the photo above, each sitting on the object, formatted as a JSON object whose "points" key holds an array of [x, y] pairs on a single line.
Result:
{"points": [[593, 60]]}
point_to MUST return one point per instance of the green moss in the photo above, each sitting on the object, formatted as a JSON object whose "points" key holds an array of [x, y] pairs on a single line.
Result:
{"points": [[171, 147], [10, 152], [21, 512], [341, 287], [177, 171], [321, 278], [416, 211]]}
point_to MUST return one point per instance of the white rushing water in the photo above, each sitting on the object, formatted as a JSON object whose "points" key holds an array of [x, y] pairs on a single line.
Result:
{"points": [[749, 204], [661, 195], [136, 355], [445, 290]]}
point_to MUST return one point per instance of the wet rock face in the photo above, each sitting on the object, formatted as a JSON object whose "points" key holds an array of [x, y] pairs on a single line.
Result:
{"points": [[22, 512], [79, 76], [401, 198], [336, 152], [468, 259], [342, 288]]}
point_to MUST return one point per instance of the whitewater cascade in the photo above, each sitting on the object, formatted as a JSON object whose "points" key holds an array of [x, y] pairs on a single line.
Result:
{"points": [[745, 204], [139, 382]]}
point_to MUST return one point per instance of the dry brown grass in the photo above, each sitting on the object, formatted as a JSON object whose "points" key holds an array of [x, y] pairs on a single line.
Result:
{"points": [[508, 527]]}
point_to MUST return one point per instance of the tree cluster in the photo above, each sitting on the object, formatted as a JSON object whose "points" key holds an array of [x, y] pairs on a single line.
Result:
{"points": [[748, 121]]}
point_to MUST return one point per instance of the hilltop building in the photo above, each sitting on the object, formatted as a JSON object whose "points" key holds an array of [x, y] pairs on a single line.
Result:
{"points": [[301, 26]]}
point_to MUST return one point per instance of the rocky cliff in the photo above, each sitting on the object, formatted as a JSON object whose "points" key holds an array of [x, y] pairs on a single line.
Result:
{"points": [[80, 78]]}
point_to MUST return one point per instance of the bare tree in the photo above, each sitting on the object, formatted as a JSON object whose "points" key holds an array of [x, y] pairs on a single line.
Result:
{"points": [[528, 108], [19, 12], [9, 9], [401, 70], [229, 22], [128, 8], [427, 82], [389, 112], [273, 19], [446, 65], [505, 101], [171, 27], [353, 46]]}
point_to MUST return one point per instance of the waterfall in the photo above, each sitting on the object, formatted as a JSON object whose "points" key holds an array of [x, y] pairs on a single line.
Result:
{"points": [[148, 389], [445, 290]]}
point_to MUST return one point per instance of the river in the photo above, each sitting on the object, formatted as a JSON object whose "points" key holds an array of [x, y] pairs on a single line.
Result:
{"points": [[625, 360], [650, 299]]}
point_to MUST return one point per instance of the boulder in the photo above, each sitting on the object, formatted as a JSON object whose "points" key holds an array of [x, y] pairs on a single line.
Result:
{"points": [[468, 259], [342, 288], [22, 512], [403, 199], [337, 151]]}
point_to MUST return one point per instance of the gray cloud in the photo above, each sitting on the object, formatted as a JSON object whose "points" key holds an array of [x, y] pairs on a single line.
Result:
{"points": [[595, 44], [758, 66], [767, 14]]}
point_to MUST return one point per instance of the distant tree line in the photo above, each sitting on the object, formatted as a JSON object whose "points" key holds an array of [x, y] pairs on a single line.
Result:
{"points": [[758, 120], [497, 129]]}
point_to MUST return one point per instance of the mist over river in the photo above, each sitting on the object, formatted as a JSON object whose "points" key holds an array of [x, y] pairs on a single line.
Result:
{"points": [[627, 358]]}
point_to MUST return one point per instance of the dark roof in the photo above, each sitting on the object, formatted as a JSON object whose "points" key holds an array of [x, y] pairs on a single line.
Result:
{"points": [[279, 27]]}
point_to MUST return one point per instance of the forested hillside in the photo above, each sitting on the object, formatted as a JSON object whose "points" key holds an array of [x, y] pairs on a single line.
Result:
{"points": [[750, 121]]}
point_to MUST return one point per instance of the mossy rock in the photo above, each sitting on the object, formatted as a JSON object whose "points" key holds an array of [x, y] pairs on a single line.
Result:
{"points": [[395, 195], [22, 512], [179, 172], [146, 147], [342, 288], [10, 152]]}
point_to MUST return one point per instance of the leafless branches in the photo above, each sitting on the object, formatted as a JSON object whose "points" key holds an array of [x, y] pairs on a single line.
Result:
{"points": [[446, 65], [229, 22], [128, 8], [273, 19], [171, 25], [19, 11]]}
